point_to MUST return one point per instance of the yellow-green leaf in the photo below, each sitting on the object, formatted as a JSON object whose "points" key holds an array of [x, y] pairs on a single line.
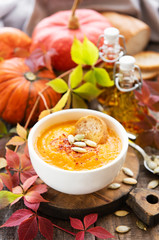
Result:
{"points": [[16, 141], [62, 102], [21, 131], [90, 76], [84, 53], [88, 91], [90, 52], [78, 102], [103, 78], [59, 85], [7, 197], [76, 76], [76, 52]]}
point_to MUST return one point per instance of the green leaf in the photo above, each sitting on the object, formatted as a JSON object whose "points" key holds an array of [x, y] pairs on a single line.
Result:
{"points": [[90, 76], [78, 102], [3, 129], [84, 53], [7, 197], [103, 78], [90, 52], [62, 102], [88, 91], [76, 52], [59, 85], [76, 76]]}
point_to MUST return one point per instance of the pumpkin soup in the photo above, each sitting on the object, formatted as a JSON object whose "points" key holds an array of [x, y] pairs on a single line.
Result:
{"points": [[57, 146]]}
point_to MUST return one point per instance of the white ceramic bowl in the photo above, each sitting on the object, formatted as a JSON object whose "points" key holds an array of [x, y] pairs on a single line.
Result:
{"points": [[76, 182]]}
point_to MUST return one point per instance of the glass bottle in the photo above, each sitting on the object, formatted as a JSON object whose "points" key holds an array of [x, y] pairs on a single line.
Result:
{"points": [[110, 52], [126, 110]]}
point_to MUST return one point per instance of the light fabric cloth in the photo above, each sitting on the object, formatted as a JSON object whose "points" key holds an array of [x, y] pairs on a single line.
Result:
{"points": [[25, 14]]}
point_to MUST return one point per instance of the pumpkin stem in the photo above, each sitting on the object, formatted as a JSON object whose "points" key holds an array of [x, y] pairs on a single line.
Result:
{"points": [[30, 76], [73, 21]]}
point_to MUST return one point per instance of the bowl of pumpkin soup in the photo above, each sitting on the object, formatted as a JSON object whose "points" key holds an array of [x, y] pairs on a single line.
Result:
{"points": [[77, 151]]}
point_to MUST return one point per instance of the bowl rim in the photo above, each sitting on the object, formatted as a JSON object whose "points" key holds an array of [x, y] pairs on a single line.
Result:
{"points": [[46, 118]]}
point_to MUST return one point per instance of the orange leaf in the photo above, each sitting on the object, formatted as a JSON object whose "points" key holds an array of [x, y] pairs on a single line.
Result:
{"points": [[21, 131], [16, 141]]}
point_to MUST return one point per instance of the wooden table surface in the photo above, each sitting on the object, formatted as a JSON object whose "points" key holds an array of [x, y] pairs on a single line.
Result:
{"points": [[109, 222]]}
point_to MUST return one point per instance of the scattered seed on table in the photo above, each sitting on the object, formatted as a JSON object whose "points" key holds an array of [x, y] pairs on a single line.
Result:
{"points": [[121, 213], [122, 229], [128, 171], [153, 184], [130, 181], [114, 186]]}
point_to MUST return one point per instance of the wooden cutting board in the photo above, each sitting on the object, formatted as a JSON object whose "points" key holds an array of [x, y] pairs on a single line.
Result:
{"points": [[102, 202]]}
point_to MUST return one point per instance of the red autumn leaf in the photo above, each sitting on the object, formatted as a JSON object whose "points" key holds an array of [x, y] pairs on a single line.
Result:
{"points": [[100, 232], [28, 229], [1, 185], [150, 132], [146, 98], [33, 206], [27, 173], [40, 58], [17, 218], [27, 184], [7, 181], [26, 151], [17, 190], [76, 223], [34, 197], [147, 123], [46, 228], [156, 139], [154, 86], [80, 235], [25, 161], [40, 188], [12, 159], [15, 179], [90, 219]]}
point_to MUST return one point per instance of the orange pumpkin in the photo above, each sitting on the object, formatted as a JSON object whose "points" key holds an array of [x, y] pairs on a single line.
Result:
{"points": [[13, 43], [57, 32], [19, 88]]}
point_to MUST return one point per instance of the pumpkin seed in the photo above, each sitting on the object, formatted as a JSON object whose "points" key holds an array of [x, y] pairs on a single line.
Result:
{"points": [[121, 213], [128, 171], [122, 229], [79, 144], [79, 137], [131, 181], [153, 184], [141, 225], [90, 143], [156, 170], [151, 164], [78, 149], [114, 186], [156, 160], [71, 139]]}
